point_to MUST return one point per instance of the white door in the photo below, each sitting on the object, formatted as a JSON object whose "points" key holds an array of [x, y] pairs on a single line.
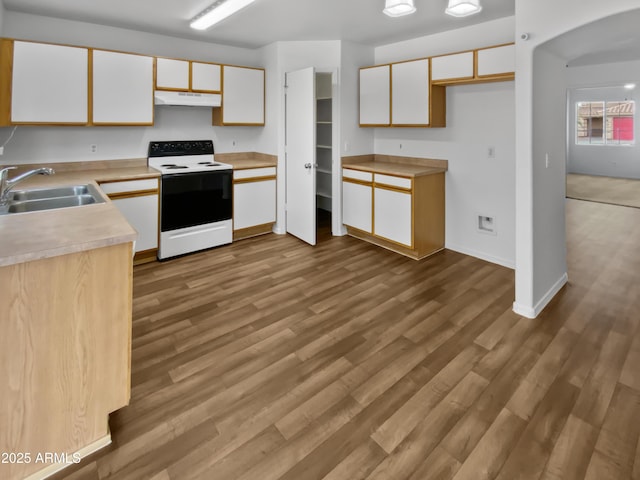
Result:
{"points": [[300, 141]]}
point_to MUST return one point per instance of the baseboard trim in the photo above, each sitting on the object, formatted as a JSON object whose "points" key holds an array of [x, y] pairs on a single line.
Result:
{"points": [[80, 454], [533, 312], [482, 256]]}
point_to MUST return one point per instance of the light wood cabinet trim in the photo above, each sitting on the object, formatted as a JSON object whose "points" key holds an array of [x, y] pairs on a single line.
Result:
{"points": [[145, 256], [392, 188], [137, 193], [253, 231], [77, 354], [6, 67], [254, 179], [357, 182]]}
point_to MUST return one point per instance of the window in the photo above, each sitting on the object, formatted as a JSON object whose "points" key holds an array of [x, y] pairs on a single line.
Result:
{"points": [[600, 123]]}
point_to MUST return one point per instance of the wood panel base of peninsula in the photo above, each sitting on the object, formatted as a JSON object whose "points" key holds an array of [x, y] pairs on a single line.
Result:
{"points": [[65, 353], [394, 247]]}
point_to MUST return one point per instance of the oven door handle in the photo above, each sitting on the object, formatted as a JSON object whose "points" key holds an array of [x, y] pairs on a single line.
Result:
{"points": [[197, 232]]}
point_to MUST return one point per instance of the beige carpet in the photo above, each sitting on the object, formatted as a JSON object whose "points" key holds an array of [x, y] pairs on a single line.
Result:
{"points": [[618, 191]]}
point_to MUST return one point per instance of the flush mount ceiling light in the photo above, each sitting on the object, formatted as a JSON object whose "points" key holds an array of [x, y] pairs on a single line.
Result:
{"points": [[398, 8], [217, 12], [630, 86], [462, 8]]}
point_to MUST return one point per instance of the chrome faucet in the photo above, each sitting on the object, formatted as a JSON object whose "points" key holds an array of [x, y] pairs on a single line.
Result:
{"points": [[6, 185]]}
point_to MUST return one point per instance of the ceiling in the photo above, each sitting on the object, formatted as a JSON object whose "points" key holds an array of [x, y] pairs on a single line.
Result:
{"points": [[611, 39], [268, 21]]}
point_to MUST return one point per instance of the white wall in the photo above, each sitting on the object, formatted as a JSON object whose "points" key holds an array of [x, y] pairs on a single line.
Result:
{"points": [[542, 20], [478, 117], [72, 144], [354, 140], [59, 144], [2, 14], [280, 58], [549, 116], [494, 32], [609, 160]]}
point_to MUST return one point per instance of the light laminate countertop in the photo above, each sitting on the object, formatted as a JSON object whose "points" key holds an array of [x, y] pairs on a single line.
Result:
{"points": [[32, 236], [394, 165]]}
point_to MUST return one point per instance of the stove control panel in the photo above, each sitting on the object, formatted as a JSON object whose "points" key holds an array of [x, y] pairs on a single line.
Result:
{"points": [[180, 148]]}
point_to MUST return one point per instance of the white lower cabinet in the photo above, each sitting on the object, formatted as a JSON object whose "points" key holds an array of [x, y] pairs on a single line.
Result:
{"points": [[254, 201], [393, 215], [357, 206], [254, 204], [137, 200]]}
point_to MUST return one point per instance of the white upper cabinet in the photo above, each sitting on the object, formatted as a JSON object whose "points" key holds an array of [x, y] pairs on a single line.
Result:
{"points": [[410, 93], [450, 67], [49, 84], [497, 60], [242, 97], [172, 74], [205, 77], [375, 91], [122, 89]]}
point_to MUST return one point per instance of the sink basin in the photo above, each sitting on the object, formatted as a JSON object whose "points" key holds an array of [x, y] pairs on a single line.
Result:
{"points": [[24, 195], [23, 201], [51, 203]]}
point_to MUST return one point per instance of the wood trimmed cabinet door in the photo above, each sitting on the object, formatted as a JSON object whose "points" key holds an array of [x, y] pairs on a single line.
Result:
{"points": [[49, 84], [122, 88], [393, 209], [357, 199], [453, 67], [205, 77], [496, 62], [410, 96], [138, 201], [172, 74], [375, 96], [254, 201], [403, 214], [243, 97]]}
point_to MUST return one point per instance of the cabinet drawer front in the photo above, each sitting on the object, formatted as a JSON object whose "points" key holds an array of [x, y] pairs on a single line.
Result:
{"points": [[357, 175], [497, 60], [356, 206], [392, 181], [392, 216], [130, 186], [450, 67], [254, 173]]}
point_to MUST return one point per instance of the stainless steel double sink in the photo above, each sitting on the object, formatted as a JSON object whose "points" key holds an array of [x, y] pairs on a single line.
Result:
{"points": [[23, 201]]}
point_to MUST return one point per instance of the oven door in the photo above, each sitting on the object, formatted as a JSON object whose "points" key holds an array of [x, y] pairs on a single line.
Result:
{"points": [[199, 198]]}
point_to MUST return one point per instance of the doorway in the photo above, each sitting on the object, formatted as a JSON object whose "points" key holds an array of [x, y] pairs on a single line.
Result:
{"points": [[311, 139]]}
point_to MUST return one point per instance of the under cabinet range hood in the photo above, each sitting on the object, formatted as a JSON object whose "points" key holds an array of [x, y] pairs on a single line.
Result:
{"points": [[188, 99]]}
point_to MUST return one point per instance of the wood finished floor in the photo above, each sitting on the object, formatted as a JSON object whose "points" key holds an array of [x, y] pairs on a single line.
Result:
{"points": [[269, 359]]}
